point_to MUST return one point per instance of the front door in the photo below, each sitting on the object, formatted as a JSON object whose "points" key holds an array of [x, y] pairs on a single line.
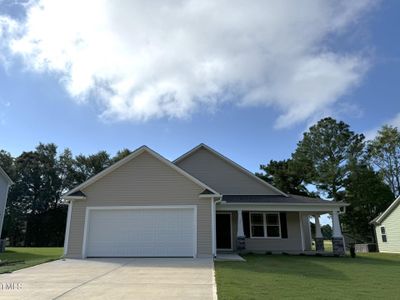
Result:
{"points": [[224, 231]]}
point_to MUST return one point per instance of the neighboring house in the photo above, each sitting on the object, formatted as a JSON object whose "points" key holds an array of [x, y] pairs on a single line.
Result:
{"points": [[5, 183], [387, 228], [201, 203]]}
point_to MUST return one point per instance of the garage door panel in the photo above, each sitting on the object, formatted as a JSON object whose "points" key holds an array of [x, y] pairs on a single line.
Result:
{"points": [[141, 232]]}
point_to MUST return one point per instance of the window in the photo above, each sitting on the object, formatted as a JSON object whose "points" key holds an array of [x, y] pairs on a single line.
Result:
{"points": [[265, 225], [384, 236]]}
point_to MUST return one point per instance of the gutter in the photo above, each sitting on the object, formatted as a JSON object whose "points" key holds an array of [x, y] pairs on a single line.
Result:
{"points": [[288, 204]]}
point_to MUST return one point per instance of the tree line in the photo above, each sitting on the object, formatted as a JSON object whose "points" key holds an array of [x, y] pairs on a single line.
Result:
{"points": [[35, 214], [334, 162], [330, 161]]}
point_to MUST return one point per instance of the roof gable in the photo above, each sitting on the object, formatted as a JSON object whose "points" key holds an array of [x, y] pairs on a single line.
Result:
{"points": [[222, 173], [387, 212], [5, 176], [72, 193]]}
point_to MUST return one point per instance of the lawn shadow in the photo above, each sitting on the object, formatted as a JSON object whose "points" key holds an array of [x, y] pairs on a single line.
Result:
{"points": [[374, 259], [305, 266], [328, 268], [15, 255]]}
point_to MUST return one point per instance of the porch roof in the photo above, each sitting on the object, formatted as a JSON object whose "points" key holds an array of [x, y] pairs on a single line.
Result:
{"points": [[278, 199]]}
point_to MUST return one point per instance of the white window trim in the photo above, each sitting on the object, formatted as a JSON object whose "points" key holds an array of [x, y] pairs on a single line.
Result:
{"points": [[265, 225]]}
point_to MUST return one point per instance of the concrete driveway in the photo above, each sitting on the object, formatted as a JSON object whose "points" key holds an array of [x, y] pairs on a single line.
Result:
{"points": [[117, 278]]}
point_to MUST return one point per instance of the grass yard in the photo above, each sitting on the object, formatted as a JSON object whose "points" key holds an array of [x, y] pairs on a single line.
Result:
{"points": [[369, 276], [15, 258]]}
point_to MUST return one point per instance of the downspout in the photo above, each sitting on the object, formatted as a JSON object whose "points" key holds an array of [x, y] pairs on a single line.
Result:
{"points": [[213, 225]]}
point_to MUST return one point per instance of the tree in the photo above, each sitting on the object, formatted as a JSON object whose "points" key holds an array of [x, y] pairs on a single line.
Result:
{"points": [[384, 153], [35, 214], [34, 197], [326, 231], [66, 165], [121, 154], [325, 154], [88, 166], [282, 175], [368, 196], [7, 163]]}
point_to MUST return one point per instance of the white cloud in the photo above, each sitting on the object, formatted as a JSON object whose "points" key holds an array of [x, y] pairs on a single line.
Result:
{"points": [[395, 121], [7, 28], [152, 59]]}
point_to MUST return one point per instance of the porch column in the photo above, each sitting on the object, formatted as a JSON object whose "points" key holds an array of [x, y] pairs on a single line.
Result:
{"points": [[319, 239], [241, 239], [305, 231], [337, 237]]}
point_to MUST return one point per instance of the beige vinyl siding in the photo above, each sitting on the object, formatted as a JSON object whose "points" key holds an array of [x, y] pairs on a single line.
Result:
{"points": [[142, 181], [221, 175], [392, 227], [76, 229], [292, 243]]}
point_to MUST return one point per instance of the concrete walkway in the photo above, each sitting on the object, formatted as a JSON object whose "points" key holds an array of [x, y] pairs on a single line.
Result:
{"points": [[117, 278]]}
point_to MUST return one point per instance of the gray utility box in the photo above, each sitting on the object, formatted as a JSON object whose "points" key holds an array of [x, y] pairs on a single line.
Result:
{"points": [[365, 248]]}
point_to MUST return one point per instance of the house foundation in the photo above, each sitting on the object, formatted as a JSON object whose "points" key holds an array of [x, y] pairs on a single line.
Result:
{"points": [[338, 246], [319, 244]]}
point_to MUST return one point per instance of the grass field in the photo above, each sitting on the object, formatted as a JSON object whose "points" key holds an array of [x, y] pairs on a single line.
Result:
{"points": [[368, 276], [20, 257]]}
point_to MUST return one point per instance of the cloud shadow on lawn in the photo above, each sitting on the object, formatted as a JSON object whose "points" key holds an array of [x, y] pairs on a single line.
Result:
{"points": [[328, 268]]}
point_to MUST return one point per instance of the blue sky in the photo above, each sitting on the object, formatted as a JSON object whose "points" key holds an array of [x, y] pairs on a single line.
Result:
{"points": [[37, 106]]}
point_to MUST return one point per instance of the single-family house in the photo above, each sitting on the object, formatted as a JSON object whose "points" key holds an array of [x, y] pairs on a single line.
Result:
{"points": [[195, 206], [387, 228], [5, 183]]}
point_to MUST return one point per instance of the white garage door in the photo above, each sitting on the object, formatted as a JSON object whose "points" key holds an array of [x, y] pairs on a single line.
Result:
{"points": [[141, 232]]}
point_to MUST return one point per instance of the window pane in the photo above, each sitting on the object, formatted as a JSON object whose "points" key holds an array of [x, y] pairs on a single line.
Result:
{"points": [[257, 231], [257, 219], [272, 219], [273, 231], [383, 231], [384, 238]]}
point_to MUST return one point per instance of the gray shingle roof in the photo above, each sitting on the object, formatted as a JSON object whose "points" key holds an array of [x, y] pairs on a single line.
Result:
{"points": [[291, 199]]}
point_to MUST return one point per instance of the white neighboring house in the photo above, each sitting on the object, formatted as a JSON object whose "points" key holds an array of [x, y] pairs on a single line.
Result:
{"points": [[5, 183], [387, 228]]}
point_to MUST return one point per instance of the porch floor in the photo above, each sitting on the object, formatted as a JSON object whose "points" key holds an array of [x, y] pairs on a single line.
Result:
{"points": [[229, 257]]}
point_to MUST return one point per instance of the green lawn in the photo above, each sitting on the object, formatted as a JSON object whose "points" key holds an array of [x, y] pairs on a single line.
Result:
{"points": [[15, 258], [369, 276]]}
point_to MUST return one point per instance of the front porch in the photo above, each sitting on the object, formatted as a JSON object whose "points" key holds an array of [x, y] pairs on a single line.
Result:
{"points": [[273, 228]]}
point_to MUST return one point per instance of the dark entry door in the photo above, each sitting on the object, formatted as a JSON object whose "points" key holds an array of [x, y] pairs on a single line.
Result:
{"points": [[224, 238]]}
